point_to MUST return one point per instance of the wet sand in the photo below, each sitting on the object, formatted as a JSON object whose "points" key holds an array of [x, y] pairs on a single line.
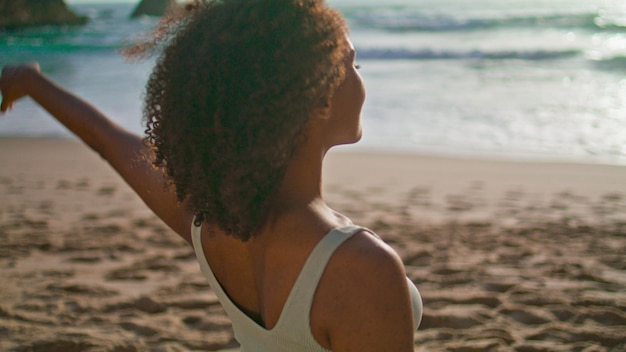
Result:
{"points": [[509, 256]]}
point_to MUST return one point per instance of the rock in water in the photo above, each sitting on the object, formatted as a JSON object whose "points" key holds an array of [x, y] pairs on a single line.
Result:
{"points": [[152, 8], [29, 13]]}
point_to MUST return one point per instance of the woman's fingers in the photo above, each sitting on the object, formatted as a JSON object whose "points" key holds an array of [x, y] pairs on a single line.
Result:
{"points": [[6, 104], [12, 81], [6, 88]]}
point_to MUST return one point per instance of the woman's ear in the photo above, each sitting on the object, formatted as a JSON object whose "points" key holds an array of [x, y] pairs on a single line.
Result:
{"points": [[322, 112]]}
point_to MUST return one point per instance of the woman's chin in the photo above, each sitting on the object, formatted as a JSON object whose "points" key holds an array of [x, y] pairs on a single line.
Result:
{"points": [[352, 140], [358, 137]]}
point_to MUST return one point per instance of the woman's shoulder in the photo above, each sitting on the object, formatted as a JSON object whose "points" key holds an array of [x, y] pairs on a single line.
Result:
{"points": [[364, 251], [364, 261], [364, 292]]}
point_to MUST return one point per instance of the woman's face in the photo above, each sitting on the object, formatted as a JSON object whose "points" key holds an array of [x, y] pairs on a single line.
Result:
{"points": [[346, 104]]}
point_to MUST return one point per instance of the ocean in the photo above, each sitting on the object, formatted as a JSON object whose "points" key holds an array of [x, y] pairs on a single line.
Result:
{"points": [[505, 79]]}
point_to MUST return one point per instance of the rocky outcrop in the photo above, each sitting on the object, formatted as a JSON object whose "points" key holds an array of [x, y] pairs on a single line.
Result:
{"points": [[152, 7], [28, 13]]}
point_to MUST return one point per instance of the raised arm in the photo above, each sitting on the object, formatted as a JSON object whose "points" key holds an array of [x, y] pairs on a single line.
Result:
{"points": [[122, 149]]}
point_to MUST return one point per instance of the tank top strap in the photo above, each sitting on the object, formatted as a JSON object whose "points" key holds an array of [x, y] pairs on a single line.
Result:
{"points": [[196, 240], [298, 306]]}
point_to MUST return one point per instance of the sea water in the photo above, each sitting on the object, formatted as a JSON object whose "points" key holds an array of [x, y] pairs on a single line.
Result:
{"points": [[533, 79]]}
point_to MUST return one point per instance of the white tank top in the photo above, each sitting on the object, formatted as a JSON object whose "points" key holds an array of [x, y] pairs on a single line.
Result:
{"points": [[292, 331]]}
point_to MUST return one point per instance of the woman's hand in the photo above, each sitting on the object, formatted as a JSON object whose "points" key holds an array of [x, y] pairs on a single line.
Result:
{"points": [[13, 82]]}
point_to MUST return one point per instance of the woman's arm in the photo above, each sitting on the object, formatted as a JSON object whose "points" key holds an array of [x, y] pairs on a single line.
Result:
{"points": [[122, 149]]}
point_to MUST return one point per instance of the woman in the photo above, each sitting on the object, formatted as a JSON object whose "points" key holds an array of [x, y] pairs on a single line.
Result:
{"points": [[244, 102]]}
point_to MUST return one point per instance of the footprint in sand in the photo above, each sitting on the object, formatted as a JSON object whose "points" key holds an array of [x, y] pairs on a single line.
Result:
{"points": [[139, 329], [106, 191], [81, 289]]}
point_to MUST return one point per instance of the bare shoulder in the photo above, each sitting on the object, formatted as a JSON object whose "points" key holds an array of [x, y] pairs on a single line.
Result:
{"points": [[363, 301], [366, 257]]}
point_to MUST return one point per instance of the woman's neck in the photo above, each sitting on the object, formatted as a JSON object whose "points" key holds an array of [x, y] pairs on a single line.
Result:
{"points": [[302, 183]]}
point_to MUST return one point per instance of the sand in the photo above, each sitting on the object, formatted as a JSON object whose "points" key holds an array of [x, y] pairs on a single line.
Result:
{"points": [[509, 256]]}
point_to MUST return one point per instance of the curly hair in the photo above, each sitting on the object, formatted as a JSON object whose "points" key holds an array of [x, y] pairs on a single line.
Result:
{"points": [[229, 97]]}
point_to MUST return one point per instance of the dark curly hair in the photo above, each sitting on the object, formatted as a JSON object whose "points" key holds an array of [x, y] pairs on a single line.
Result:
{"points": [[228, 100]]}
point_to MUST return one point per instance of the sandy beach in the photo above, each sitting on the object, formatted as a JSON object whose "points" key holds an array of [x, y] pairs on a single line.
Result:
{"points": [[508, 256]]}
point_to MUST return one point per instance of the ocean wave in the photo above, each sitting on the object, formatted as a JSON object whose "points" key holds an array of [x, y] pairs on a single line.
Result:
{"points": [[614, 63], [615, 23], [420, 22], [431, 54], [92, 37], [55, 44]]}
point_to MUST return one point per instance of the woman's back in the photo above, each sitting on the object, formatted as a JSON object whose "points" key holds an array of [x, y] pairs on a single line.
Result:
{"points": [[258, 274], [307, 257]]}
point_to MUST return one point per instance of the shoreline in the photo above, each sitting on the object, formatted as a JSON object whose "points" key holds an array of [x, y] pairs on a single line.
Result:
{"points": [[448, 154], [508, 256], [517, 157]]}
